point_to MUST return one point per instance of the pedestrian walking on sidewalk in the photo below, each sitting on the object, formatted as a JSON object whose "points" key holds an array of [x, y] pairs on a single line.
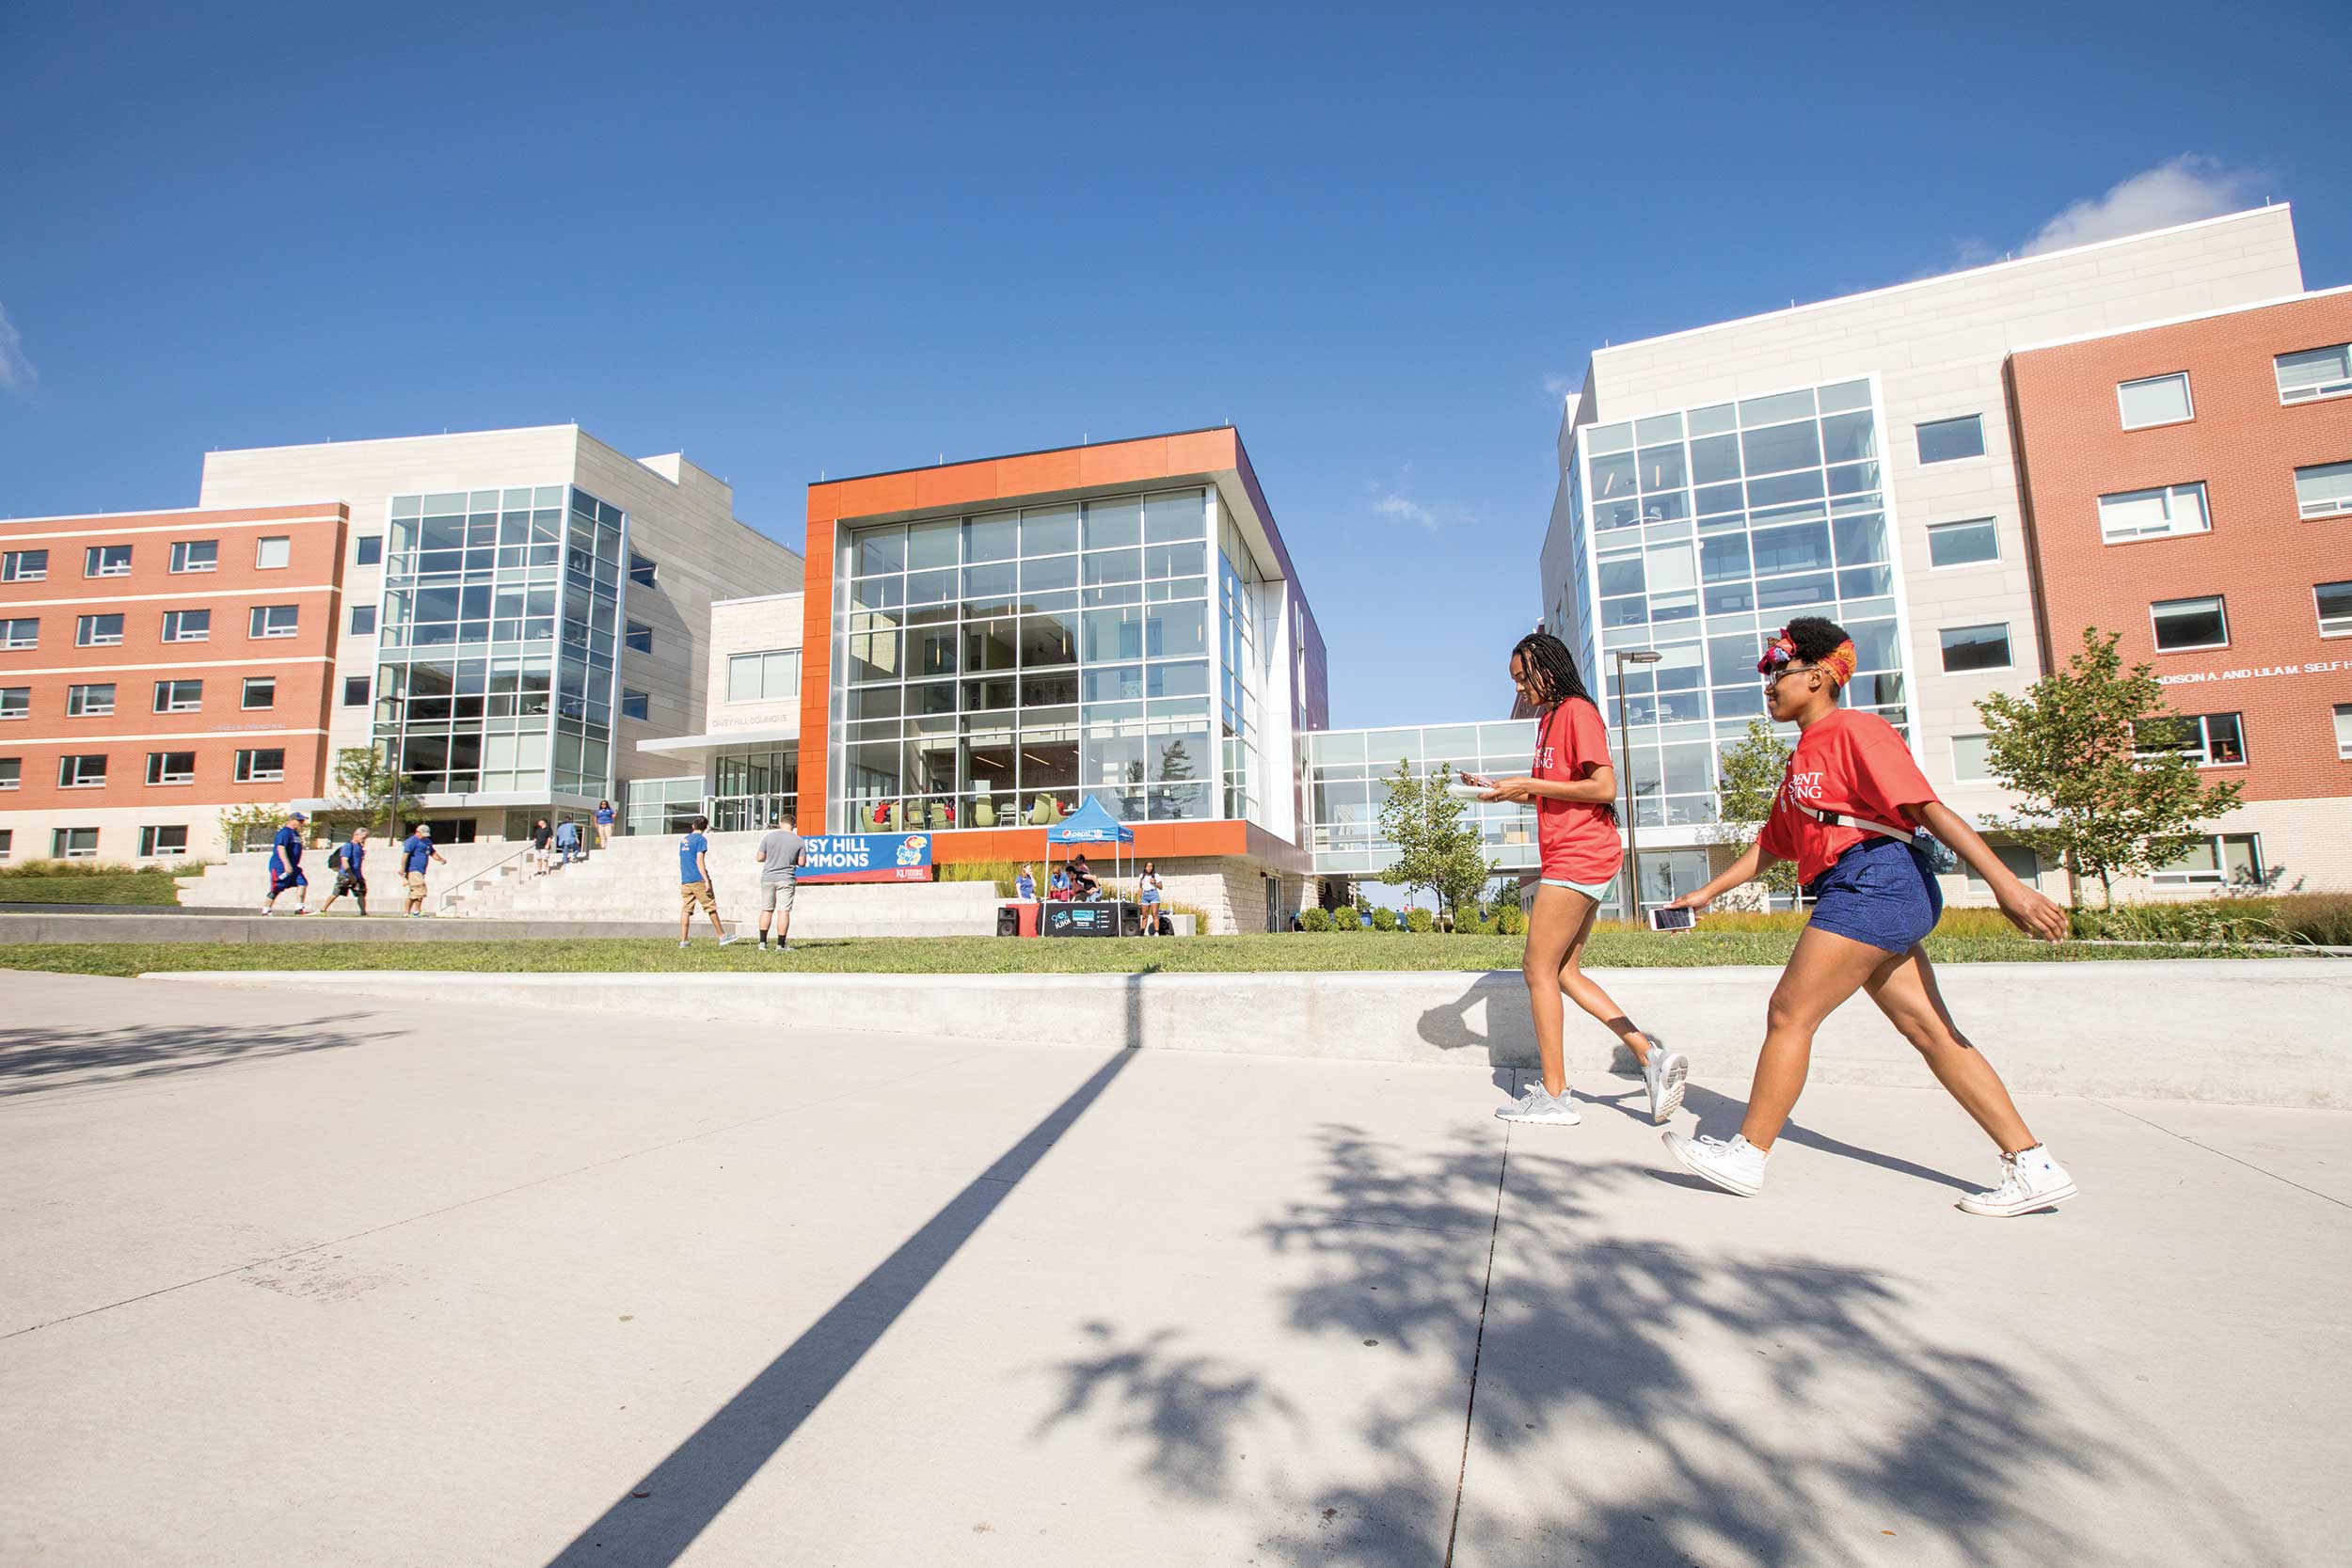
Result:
{"points": [[1849, 811], [348, 861], [415, 853], [604, 824], [541, 835], [285, 866]]}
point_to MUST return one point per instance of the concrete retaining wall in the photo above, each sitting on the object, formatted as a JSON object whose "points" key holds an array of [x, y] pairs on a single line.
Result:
{"points": [[2245, 1032], [133, 927]]}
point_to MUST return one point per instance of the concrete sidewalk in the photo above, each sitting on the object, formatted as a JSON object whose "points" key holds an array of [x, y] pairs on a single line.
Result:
{"points": [[355, 1281]]}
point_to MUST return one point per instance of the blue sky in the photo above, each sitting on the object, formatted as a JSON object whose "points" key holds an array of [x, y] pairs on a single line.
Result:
{"points": [[1377, 238]]}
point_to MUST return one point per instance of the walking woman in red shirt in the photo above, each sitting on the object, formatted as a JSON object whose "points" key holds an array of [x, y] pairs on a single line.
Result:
{"points": [[1847, 809], [1573, 788]]}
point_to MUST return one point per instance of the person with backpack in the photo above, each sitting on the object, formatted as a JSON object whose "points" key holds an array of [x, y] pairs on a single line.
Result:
{"points": [[1849, 811], [566, 841], [348, 861]]}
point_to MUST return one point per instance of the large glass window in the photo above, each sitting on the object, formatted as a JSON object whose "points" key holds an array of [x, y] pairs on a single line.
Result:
{"points": [[1000, 668], [2153, 513], [24, 566], [22, 631], [2334, 600], [196, 555], [1348, 774], [2324, 490], [2221, 859], [2155, 400], [106, 560], [97, 631], [1963, 544], [179, 696], [767, 676], [187, 626], [2209, 740], [2182, 624], [2314, 373], [90, 701], [1972, 648]]}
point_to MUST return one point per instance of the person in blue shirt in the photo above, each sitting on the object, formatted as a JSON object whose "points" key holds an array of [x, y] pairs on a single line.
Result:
{"points": [[348, 861], [604, 824], [415, 853], [567, 840], [1024, 886], [285, 866], [695, 887]]}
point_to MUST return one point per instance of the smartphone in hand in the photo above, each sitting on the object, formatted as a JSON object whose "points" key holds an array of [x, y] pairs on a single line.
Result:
{"points": [[1673, 920]]}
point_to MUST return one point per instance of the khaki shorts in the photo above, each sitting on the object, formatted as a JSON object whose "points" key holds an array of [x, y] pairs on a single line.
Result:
{"points": [[777, 895], [416, 883], [691, 895]]}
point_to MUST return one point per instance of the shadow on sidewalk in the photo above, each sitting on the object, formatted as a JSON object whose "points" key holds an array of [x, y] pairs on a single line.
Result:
{"points": [[52, 1058], [655, 1520], [1634, 1401]]}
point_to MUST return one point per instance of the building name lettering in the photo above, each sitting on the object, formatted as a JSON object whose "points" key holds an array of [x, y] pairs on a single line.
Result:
{"points": [[2255, 671]]}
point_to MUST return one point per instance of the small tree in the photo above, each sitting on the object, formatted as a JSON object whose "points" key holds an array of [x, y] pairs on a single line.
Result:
{"points": [[1751, 778], [2070, 751], [1436, 848], [366, 789], [240, 826]]}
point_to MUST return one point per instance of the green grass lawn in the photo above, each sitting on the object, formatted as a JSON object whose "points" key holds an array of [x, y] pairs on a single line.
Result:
{"points": [[129, 888], [995, 956]]}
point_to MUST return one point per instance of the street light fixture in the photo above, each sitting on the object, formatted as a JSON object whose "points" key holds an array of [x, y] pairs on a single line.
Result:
{"points": [[1624, 750]]}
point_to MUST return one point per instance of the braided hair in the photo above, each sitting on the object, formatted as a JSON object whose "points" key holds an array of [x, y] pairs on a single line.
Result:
{"points": [[1553, 676]]}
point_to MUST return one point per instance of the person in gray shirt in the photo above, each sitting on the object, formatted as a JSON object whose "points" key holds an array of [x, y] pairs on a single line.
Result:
{"points": [[779, 860]]}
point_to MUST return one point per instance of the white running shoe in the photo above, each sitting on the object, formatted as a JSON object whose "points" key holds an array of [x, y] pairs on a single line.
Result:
{"points": [[729, 941], [1737, 1166], [681, 943], [1664, 1075], [2030, 1181], [271, 909], [1536, 1104]]}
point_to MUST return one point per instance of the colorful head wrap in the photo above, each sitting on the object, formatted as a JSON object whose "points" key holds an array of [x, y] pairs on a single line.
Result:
{"points": [[1837, 664]]}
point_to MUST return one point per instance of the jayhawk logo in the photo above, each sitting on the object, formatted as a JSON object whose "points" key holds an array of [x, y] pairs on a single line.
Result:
{"points": [[910, 852]]}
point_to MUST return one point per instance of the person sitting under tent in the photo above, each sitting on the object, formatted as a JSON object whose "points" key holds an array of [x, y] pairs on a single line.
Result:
{"points": [[1082, 877]]}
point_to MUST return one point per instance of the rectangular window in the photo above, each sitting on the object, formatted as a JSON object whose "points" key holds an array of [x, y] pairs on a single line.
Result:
{"points": [[187, 626], [643, 570], [24, 566], [1963, 544], [273, 552], [98, 631], [15, 701], [767, 676], [156, 842], [638, 639], [2156, 400], [1970, 758], [106, 560], [170, 767], [82, 772], [2314, 373], [263, 766], [2222, 860], [2343, 733], [2209, 740], [23, 632], [74, 844], [2324, 491], [1945, 440], [8, 841], [179, 696], [363, 620], [272, 620], [2153, 513], [2183, 625], [1972, 648], [259, 691], [90, 701], [2334, 602], [195, 554], [12, 769], [2022, 862], [355, 691], [633, 703], [368, 550]]}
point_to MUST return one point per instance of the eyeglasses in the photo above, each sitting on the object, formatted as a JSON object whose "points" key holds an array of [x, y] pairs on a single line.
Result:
{"points": [[1772, 679]]}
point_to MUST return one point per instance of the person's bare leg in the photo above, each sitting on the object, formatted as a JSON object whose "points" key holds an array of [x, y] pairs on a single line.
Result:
{"points": [[1822, 972], [1552, 922], [1585, 991], [1907, 993], [716, 929]]}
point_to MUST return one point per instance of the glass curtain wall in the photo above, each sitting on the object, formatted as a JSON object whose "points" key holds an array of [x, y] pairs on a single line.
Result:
{"points": [[995, 669], [1348, 774], [1241, 593], [1711, 528], [495, 641]]}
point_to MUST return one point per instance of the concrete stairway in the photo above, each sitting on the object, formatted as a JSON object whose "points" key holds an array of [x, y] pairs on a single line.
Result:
{"points": [[238, 882], [636, 880]]}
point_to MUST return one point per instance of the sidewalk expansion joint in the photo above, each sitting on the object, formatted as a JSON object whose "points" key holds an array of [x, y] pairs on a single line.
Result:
{"points": [[1485, 1292], [2225, 1155]]}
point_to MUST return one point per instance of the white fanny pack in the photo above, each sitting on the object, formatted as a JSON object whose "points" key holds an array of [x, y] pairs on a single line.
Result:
{"points": [[1839, 819]]}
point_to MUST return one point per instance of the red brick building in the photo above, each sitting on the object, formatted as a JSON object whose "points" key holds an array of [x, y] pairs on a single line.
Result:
{"points": [[2190, 485], [158, 666]]}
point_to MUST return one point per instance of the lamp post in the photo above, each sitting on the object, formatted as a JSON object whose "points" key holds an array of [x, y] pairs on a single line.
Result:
{"points": [[1625, 749]]}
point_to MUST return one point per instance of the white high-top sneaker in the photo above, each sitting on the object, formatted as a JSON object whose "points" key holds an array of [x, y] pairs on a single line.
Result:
{"points": [[2030, 1181], [1737, 1166]]}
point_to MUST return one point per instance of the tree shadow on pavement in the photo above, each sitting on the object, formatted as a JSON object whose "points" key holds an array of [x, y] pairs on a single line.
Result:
{"points": [[1586, 1393], [50, 1058]]}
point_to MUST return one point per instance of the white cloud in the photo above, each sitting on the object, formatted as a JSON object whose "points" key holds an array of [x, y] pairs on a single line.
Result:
{"points": [[16, 372], [2181, 190], [1558, 386], [1389, 501], [1410, 511]]}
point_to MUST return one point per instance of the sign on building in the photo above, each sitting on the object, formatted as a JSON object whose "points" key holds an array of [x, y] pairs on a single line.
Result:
{"points": [[867, 858]]}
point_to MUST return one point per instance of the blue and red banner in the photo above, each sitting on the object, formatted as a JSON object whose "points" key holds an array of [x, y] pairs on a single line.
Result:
{"points": [[867, 858]]}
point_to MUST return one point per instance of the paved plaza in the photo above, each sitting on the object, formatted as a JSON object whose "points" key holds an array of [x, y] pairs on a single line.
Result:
{"points": [[298, 1278]]}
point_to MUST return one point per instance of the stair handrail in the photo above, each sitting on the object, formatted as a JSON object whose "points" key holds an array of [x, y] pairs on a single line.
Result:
{"points": [[471, 881]]}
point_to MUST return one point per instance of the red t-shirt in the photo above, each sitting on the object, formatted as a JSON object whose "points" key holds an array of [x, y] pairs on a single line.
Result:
{"points": [[1577, 841], [1850, 763]]}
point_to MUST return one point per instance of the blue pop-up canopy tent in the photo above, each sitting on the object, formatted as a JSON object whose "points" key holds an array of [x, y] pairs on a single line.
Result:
{"points": [[1090, 824]]}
